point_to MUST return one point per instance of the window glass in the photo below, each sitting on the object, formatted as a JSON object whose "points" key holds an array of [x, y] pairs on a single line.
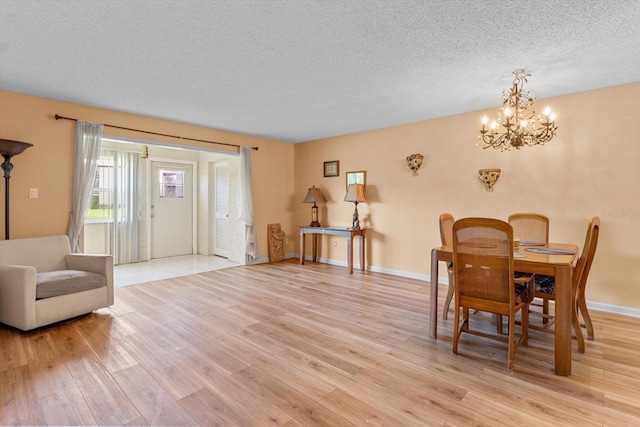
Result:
{"points": [[102, 196], [171, 183]]}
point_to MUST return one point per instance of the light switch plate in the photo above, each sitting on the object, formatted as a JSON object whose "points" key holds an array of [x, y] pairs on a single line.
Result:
{"points": [[33, 193]]}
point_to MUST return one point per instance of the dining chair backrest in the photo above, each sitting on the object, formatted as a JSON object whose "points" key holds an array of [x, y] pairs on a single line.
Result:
{"points": [[530, 227], [483, 261], [446, 237], [484, 280], [580, 275], [446, 229], [583, 265]]}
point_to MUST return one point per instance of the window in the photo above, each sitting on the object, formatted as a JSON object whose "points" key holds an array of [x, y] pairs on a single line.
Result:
{"points": [[171, 184], [102, 196]]}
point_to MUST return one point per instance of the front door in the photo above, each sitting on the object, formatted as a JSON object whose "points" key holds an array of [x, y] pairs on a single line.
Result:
{"points": [[171, 209]]}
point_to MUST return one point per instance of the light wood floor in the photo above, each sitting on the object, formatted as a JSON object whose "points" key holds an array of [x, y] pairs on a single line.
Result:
{"points": [[291, 345]]}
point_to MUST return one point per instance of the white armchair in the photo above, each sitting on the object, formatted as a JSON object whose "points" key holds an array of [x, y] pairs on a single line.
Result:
{"points": [[42, 282]]}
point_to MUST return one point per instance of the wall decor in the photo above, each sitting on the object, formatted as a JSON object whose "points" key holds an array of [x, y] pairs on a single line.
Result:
{"points": [[357, 177], [489, 177], [414, 162], [332, 168]]}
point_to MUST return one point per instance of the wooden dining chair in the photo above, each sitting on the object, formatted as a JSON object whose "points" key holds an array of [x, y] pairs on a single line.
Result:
{"points": [[530, 227], [546, 286], [484, 280], [446, 237]]}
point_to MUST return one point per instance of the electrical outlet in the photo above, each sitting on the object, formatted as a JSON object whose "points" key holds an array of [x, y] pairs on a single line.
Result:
{"points": [[335, 243]]}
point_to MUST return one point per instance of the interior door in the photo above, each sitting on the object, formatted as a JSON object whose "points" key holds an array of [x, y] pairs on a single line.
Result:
{"points": [[171, 209], [221, 209]]}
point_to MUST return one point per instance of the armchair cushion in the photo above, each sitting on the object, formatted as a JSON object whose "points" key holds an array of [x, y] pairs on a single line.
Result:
{"points": [[63, 282]]}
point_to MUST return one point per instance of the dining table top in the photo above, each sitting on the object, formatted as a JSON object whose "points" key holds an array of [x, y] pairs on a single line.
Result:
{"points": [[533, 254]]}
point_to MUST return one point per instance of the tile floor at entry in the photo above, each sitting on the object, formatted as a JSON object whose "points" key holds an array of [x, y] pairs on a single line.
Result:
{"points": [[165, 268]]}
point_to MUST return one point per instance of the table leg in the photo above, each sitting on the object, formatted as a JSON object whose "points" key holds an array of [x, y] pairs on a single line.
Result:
{"points": [[433, 315], [314, 248], [302, 235], [362, 247], [564, 306], [350, 254]]}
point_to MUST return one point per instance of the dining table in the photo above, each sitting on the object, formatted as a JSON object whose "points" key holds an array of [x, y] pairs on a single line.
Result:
{"points": [[551, 259]]}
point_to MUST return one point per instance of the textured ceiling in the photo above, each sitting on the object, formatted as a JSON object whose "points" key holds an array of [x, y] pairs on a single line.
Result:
{"points": [[299, 70]]}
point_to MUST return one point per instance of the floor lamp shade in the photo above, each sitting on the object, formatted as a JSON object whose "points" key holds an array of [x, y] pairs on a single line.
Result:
{"points": [[8, 149], [314, 195]]}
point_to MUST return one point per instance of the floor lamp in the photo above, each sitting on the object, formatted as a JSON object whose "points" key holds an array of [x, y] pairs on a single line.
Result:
{"points": [[8, 149]]}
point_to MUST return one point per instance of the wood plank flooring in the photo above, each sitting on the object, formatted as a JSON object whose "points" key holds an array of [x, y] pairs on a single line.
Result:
{"points": [[290, 345]]}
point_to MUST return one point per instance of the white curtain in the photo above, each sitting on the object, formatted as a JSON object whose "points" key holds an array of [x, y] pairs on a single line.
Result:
{"points": [[126, 242], [246, 205], [85, 164]]}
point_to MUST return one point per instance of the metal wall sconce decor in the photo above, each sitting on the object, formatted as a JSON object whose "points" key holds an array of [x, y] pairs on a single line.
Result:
{"points": [[489, 177], [414, 162]]}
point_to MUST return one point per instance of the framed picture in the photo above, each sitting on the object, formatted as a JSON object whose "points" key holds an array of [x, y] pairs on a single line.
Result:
{"points": [[358, 177], [332, 168]]}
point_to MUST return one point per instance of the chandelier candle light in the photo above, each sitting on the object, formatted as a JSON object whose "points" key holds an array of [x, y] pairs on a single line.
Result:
{"points": [[518, 124]]}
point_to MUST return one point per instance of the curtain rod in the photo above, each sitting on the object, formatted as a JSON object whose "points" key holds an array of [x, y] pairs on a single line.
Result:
{"points": [[59, 117]]}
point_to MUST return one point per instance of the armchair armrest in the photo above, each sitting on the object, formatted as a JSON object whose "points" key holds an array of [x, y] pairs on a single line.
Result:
{"points": [[17, 296], [101, 264]]}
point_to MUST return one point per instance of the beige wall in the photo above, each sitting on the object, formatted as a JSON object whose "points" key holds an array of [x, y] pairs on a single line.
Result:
{"points": [[48, 166], [591, 168]]}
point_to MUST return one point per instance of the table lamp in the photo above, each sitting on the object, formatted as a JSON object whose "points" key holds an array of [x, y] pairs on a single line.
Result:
{"points": [[8, 149], [314, 195], [355, 194]]}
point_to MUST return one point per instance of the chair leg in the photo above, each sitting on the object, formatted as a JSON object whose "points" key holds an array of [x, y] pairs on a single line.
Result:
{"points": [[447, 302], [545, 310], [578, 330], [512, 335], [524, 325], [499, 329], [582, 307], [456, 332]]}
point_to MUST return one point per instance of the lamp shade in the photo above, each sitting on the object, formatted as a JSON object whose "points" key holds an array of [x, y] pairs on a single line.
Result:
{"points": [[355, 193], [12, 148], [313, 195]]}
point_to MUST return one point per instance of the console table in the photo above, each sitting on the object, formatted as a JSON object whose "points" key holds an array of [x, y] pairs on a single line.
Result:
{"points": [[334, 231]]}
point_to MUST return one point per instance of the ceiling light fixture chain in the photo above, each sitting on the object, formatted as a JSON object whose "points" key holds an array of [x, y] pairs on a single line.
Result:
{"points": [[518, 124]]}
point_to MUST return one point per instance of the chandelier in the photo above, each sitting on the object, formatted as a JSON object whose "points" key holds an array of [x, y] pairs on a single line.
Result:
{"points": [[518, 124]]}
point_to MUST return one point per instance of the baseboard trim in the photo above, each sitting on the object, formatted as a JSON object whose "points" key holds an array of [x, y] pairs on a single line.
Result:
{"points": [[615, 309], [608, 308]]}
